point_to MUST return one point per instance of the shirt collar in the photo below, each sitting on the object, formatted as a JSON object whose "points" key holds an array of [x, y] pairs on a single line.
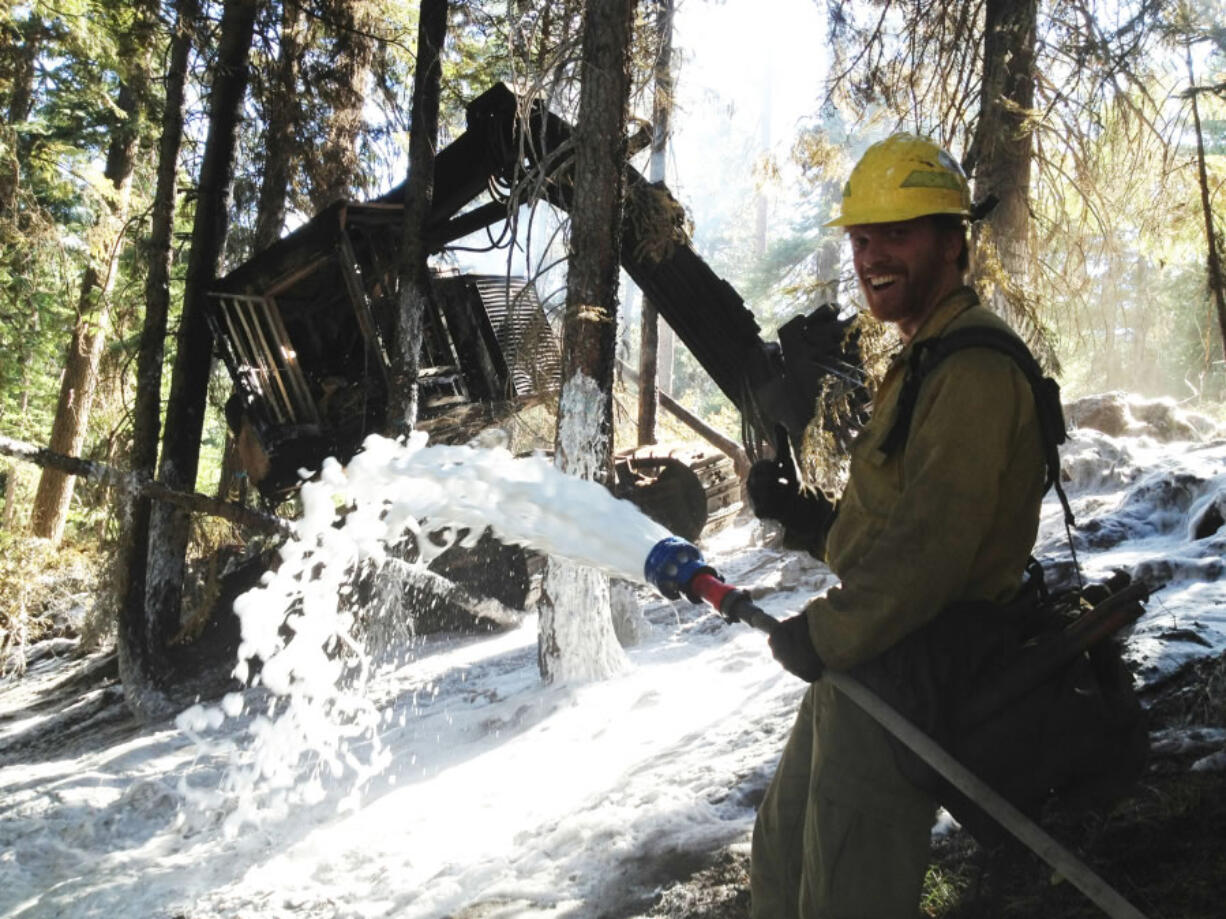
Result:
{"points": [[955, 303]]}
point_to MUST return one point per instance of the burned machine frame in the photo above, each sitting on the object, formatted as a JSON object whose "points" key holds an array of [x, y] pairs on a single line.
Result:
{"points": [[305, 327]]}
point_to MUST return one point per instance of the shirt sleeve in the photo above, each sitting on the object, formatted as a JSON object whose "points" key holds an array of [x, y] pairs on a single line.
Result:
{"points": [[965, 427]]}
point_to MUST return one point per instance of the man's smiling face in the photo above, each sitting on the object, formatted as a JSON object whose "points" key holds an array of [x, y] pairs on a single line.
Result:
{"points": [[905, 268]]}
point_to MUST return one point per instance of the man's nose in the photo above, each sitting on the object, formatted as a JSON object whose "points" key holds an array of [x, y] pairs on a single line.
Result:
{"points": [[871, 250]]}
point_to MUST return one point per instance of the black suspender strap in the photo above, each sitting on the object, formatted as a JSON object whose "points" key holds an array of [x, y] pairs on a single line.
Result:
{"points": [[926, 355]]}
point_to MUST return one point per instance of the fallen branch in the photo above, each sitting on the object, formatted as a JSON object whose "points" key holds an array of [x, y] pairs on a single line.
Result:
{"points": [[133, 485], [734, 451]]}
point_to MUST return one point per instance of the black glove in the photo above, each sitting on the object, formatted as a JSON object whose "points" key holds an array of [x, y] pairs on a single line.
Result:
{"points": [[793, 648], [775, 494], [773, 488], [773, 485]]}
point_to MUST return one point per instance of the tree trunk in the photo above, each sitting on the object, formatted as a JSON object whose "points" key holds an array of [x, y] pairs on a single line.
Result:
{"points": [[281, 113], [80, 379], [1002, 150], [27, 43], [335, 168], [413, 289], [77, 387], [139, 645], [661, 117], [649, 376], [1217, 287], [230, 479], [170, 526], [576, 640]]}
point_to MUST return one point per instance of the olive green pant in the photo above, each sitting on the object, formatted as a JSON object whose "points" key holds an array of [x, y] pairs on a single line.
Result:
{"points": [[841, 833]]}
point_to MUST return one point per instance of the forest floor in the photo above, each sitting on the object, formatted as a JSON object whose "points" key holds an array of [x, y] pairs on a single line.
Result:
{"points": [[1163, 848], [664, 765]]}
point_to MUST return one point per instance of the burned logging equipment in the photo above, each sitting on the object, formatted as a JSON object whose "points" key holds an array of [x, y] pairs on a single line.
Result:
{"points": [[305, 327], [310, 367]]}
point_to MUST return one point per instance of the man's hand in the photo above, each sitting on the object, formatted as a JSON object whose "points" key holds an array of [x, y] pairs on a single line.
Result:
{"points": [[793, 648], [773, 489], [775, 494]]}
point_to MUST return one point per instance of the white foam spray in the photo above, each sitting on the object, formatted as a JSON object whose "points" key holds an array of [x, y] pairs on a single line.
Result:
{"points": [[315, 724]]}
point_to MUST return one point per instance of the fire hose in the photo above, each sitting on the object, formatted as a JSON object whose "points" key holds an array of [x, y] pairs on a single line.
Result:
{"points": [[676, 568]]}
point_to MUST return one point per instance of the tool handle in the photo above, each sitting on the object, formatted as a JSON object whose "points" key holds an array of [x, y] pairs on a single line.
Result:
{"points": [[1002, 811], [1114, 613], [1037, 662], [748, 612], [736, 605], [733, 604]]}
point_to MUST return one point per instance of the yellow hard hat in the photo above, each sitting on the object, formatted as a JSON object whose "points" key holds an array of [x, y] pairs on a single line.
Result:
{"points": [[901, 178]]}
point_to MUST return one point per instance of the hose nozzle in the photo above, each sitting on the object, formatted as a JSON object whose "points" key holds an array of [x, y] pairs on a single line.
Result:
{"points": [[675, 567], [672, 564]]}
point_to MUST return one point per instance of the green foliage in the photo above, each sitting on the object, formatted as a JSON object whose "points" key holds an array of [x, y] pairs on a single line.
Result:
{"points": [[943, 889], [478, 56], [1117, 234], [213, 440], [61, 112], [1122, 237], [60, 91]]}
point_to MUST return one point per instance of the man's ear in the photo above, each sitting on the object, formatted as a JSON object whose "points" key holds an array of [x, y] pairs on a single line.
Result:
{"points": [[952, 242]]}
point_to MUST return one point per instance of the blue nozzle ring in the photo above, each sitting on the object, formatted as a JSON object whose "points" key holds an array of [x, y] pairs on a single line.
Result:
{"points": [[672, 564]]}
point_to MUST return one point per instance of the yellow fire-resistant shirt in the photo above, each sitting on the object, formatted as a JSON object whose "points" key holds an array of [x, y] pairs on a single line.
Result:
{"points": [[950, 516]]}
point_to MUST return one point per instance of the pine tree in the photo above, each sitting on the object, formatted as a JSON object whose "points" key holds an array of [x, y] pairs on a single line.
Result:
{"points": [[139, 638], [278, 91], [169, 527], [576, 638], [81, 366], [1002, 151], [650, 333], [57, 86], [339, 80], [413, 288], [1023, 91]]}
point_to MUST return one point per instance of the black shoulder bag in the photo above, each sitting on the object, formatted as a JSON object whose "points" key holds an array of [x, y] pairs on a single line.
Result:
{"points": [[1032, 695]]}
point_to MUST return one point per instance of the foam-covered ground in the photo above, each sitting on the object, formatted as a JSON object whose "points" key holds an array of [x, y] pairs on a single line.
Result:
{"points": [[492, 795]]}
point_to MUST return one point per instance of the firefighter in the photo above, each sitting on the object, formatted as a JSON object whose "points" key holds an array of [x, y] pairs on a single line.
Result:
{"points": [[951, 516]]}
